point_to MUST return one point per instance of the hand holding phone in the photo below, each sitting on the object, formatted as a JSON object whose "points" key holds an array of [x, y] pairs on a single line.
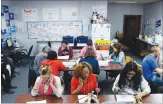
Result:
{"points": [[81, 81]]}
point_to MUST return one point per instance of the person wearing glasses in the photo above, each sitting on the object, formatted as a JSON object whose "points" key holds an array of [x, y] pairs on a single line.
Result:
{"points": [[131, 81]]}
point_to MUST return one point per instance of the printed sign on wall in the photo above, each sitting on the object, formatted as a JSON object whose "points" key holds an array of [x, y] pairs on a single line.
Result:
{"points": [[11, 16], [7, 22], [158, 23], [12, 28], [3, 31], [30, 14], [5, 9]]}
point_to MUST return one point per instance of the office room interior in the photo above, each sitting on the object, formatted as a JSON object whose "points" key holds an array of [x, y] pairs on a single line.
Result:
{"points": [[65, 51]]}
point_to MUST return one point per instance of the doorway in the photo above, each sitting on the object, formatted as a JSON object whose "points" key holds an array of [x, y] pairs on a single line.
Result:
{"points": [[131, 29]]}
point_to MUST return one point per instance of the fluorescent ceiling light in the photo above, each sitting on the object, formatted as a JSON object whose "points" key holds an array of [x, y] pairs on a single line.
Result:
{"points": [[125, 2]]}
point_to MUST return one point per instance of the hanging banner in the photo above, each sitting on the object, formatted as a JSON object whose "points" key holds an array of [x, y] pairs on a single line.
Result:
{"points": [[30, 14]]}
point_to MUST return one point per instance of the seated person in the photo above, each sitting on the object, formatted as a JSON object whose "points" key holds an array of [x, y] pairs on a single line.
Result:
{"points": [[46, 83], [55, 64], [39, 58], [65, 50], [5, 77], [89, 45], [118, 54], [89, 57], [131, 81], [83, 81], [10, 63], [150, 66]]}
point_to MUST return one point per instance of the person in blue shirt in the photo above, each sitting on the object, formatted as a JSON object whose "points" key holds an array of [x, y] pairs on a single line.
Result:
{"points": [[150, 66], [90, 57]]}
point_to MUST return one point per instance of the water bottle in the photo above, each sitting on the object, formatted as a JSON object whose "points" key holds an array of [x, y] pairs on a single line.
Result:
{"points": [[114, 60]]}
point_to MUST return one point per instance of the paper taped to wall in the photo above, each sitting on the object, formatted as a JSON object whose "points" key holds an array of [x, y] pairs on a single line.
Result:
{"points": [[50, 14]]}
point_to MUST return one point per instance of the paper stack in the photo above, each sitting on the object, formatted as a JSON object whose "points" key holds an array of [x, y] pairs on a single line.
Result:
{"points": [[37, 102]]}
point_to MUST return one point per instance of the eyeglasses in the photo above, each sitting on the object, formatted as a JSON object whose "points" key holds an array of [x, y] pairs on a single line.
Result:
{"points": [[131, 74]]}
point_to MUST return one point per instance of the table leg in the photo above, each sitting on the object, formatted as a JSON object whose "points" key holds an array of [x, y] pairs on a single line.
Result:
{"points": [[106, 75]]}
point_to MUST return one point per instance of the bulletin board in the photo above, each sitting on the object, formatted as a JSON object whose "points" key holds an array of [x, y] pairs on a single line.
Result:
{"points": [[53, 30]]}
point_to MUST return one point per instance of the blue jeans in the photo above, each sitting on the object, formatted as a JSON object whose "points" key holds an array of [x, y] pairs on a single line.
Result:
{"points": [[158, 80]]}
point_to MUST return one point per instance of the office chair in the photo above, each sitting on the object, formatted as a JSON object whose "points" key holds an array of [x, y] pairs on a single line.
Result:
{"points": [[69, 39], [82, 39], [23, 54], [31, 75]]}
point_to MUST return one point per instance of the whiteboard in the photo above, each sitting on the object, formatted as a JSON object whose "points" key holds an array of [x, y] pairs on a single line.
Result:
{"points": [[53, 30]]}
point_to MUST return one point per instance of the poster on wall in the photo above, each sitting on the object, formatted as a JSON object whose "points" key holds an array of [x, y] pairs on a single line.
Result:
{"points": [[50, 14], [102, 44], [11, 16], [158, 23], [30, 15], [69, 13], [5, 9], [101, 9], [3, 31], [7, 22], [12, 28]]}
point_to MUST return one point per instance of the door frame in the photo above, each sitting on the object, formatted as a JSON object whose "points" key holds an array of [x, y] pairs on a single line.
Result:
{"points": [[140, 24]]}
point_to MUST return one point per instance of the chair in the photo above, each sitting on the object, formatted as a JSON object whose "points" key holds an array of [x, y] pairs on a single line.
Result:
{"points": [[99, 83], [23, 54], [62, 83], [82, 39], [69, 39], [49, 44], [128, 59], [31, 75]]}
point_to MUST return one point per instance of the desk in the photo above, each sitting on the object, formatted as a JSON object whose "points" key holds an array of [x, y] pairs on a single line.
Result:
{"points": [[111, 67], [142, 45], [152, 98]]}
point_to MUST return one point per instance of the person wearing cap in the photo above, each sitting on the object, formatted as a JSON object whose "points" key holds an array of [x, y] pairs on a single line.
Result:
{"points": [[84, 49], [65, 50], [54, 63], [39, 58]]}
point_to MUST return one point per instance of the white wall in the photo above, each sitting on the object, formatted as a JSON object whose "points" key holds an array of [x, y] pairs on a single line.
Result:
{"points": [[85, 13], [116, 13], [153, 12]]}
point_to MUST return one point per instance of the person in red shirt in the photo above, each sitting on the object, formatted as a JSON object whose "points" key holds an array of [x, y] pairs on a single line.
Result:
{"points": [[55, 64], [83, 81]]}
